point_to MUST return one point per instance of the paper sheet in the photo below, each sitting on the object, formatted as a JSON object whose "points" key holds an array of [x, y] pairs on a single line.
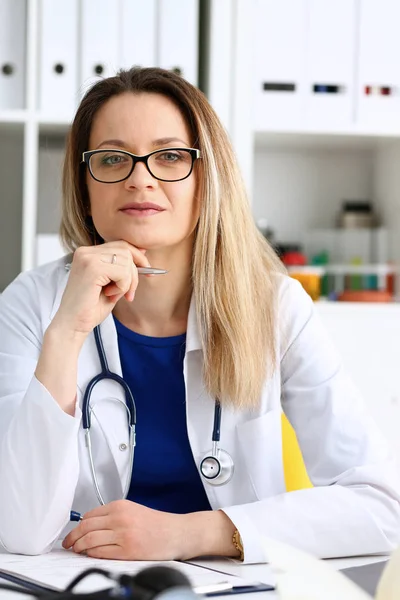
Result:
{"points": [[60, 566]]}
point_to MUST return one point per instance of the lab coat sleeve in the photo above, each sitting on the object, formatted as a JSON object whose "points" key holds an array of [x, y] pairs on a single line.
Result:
{"points": [[354, 508], [39, 463]]}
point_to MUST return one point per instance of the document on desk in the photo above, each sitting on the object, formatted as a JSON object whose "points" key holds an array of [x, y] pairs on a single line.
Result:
{"points": [[59, 567]]}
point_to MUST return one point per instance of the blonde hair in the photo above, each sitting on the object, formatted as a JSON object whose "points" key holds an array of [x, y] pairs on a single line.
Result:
{"points": [[234, 268]]}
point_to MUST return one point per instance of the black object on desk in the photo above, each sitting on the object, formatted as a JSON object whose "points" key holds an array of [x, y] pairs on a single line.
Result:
{"points": [[366, 576]]}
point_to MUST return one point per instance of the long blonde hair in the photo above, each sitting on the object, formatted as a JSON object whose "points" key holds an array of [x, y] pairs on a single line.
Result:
{"points": [[234, 268]]}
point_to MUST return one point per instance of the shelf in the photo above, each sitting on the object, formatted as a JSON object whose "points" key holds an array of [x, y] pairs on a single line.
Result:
{"points": [[56, 124], [375, 308], [318, 137], [13, 116], [12, 120]]}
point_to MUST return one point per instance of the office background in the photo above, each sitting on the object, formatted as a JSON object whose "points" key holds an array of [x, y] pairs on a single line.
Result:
{"points": [[309, 91]]}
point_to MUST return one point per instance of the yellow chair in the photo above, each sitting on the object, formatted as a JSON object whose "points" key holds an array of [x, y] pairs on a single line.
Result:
{"points": [[296, 477]]}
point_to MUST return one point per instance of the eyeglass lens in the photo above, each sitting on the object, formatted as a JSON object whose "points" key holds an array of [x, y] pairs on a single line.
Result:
{"points": [[169, 165]]}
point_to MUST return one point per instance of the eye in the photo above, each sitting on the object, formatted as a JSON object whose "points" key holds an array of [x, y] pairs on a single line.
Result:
{"points": [[113, 159], [170, 156]]}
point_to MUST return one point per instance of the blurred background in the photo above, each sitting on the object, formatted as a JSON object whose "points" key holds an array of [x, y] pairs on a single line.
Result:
{"points": [[309, 92]]}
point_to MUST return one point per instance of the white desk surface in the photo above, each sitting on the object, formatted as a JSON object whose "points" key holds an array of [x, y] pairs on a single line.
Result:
{"points": [[258, 572]]}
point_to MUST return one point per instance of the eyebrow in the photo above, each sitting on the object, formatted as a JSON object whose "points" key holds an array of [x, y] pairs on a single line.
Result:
{"points": [[160, 142]]}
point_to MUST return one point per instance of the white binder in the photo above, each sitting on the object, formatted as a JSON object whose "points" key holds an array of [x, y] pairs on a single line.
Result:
{"points": [[12, 53], [280, 51], [178, 27], [58, 38], [221, 60], [378, 84], [100, 40], [330, 62], [139, 21]]}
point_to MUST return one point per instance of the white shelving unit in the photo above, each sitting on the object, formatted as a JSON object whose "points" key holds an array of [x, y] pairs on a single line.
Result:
{"points": [[303, 163], [32, 138], [302, 153]]}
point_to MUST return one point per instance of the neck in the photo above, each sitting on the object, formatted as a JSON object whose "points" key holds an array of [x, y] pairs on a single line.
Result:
{"points": [[161, 304]]}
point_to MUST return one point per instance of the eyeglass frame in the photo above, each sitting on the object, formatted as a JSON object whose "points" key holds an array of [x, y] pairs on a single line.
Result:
{"points": [[195, 153]]}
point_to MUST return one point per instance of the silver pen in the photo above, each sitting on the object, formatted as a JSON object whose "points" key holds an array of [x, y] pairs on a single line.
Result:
{"points": [[141, 270], [151, 271]]}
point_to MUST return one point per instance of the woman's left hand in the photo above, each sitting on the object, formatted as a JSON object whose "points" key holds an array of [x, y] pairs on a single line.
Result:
{"points": [[124, 530]]}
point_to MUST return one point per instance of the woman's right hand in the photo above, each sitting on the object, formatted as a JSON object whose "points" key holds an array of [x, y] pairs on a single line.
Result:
{"points": [[99, 277]]}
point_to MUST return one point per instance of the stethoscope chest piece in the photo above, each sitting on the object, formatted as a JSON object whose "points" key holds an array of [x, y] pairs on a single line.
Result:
{"points": [[217, 467]]}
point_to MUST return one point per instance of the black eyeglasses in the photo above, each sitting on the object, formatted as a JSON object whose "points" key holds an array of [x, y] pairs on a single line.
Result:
{"points": [[168, 164]]}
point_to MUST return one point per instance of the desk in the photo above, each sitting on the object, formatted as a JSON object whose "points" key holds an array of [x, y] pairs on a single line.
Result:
{"points": [[258, 572]]}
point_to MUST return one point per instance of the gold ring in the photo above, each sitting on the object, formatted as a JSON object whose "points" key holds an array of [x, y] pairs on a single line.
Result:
{"points": [[114, 259]]}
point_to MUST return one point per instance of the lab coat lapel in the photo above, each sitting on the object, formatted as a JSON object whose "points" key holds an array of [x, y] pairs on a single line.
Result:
{"points": [[248, 435], [108, 402]]}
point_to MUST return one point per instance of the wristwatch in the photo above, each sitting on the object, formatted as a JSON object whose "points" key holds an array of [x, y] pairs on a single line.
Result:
{"points": [[237, 542]]}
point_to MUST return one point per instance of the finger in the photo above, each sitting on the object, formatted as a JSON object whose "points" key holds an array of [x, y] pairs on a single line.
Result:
{"points": [[137, 254], [85, 526], [107, 275], [99, 511], [110, 551], [94, 539], [134, 283], [111, 290]]}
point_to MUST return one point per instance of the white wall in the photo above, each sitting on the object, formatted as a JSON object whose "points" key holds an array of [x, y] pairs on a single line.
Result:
{"points": [[303, 188]]}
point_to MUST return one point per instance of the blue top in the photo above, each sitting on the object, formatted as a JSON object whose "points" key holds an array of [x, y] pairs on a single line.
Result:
{"points": [[165, 476]]}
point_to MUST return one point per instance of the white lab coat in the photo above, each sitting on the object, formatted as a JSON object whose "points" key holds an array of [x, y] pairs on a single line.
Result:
{"points": [[44, 469]]}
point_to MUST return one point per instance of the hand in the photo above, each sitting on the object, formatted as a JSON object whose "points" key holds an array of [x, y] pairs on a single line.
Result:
{"points": [[125, 530], [96, 283]]}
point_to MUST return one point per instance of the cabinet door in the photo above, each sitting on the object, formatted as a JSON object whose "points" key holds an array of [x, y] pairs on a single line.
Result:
{"points": [[368, 339], [280, 50], [378, 86], [330, 62]]}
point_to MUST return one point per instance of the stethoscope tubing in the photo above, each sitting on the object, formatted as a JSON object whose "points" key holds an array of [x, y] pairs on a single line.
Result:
{"points": [[223, 468]]}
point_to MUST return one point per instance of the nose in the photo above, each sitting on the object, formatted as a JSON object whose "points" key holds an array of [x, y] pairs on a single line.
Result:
{"points": [[140, 178]]}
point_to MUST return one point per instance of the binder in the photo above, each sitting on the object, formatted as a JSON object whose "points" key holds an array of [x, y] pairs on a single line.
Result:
{"points": [[378, 92], [58, 39], [139, 20], [12, 53], [100, 40], [178, 40], [280, 52], [219, 80], [330, 62]]}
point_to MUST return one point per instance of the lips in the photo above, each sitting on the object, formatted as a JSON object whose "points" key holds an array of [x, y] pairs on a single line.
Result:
{"points": [[139, 206]]}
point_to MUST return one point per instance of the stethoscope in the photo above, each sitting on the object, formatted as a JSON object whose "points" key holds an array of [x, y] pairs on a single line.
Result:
{"points": [[216, 467]]}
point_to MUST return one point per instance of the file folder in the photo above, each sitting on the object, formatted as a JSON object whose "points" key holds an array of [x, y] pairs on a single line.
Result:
{"points": [[58, 35], [378, 92], [139, 21], [100, 40], [280, 52], [330, 62], [178, 40], [12, 53]]}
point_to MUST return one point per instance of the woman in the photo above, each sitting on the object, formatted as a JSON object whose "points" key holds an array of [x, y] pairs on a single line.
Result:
{"points": [[224, 327]]}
